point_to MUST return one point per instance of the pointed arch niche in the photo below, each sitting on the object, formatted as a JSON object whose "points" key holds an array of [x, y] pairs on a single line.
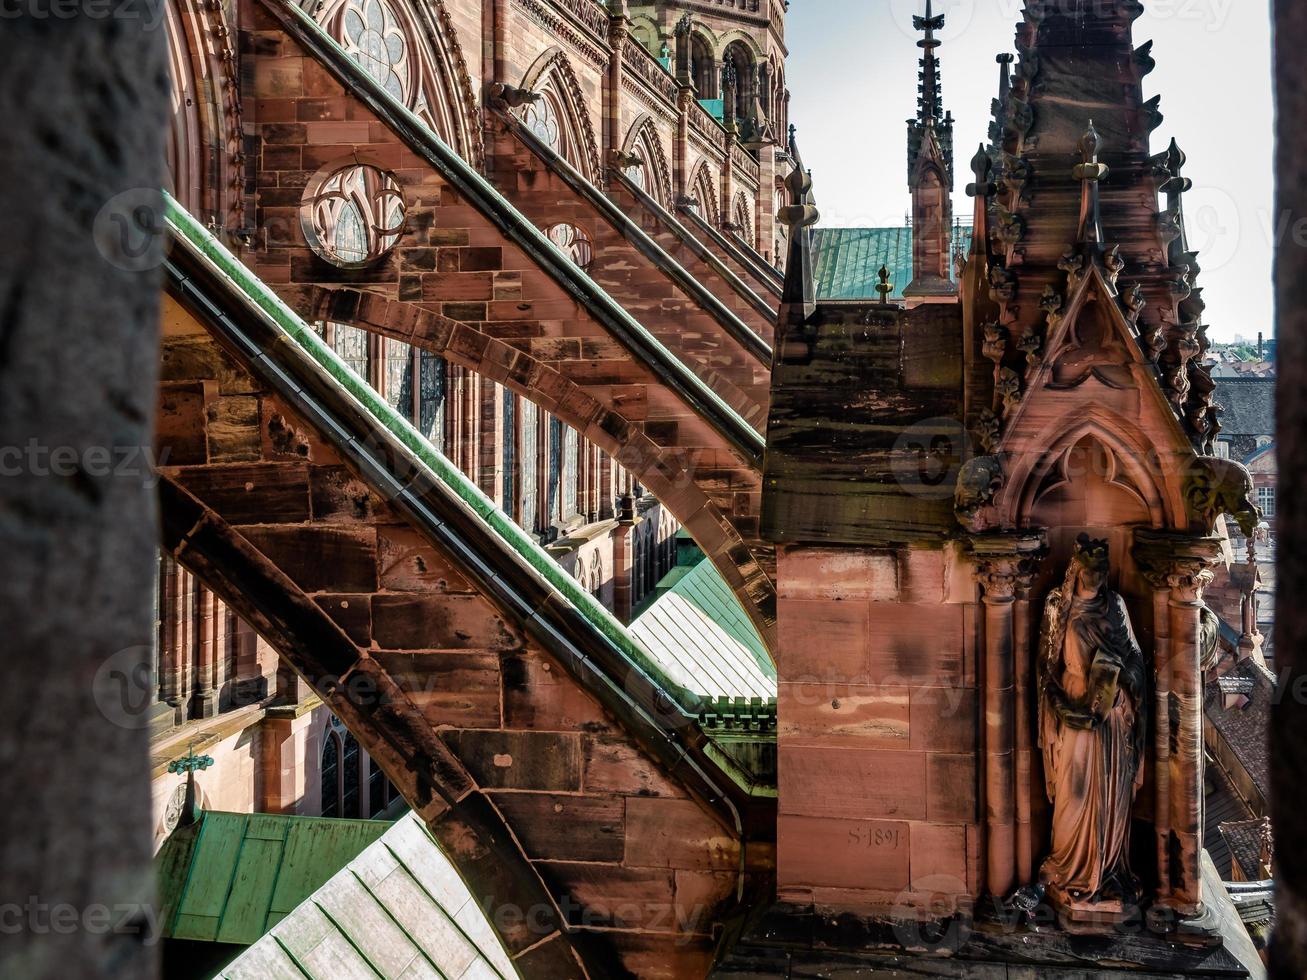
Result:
{"points": [[704, 188], [561, 117], [653, 175]]}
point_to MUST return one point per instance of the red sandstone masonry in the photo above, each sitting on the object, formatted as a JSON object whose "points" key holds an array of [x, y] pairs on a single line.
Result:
{"points": [[568, 780]]}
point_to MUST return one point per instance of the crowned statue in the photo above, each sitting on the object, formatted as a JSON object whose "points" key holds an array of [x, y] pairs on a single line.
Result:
{"points": [[1092, 705]]}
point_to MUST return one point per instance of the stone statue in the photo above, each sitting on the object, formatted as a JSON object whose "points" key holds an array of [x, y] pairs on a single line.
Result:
{"points": [[1092, 725]]}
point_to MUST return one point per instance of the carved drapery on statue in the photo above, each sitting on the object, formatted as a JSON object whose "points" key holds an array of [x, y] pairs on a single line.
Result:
{"points": [[1092, 712]]}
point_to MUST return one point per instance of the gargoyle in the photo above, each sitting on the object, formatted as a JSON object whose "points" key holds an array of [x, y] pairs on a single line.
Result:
{"points": [[505, 97], [979, 481], [1221, 486]]}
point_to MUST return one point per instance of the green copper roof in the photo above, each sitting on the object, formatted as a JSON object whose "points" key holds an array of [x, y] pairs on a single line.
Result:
{"points": [[703, 640], [231, 877], [398, 909], [848, 260]]}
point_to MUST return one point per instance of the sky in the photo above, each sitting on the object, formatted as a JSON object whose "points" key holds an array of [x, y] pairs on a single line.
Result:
{"points": [[853, 74]]}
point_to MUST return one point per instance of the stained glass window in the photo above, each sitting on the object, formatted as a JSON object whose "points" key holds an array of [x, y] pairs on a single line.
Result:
{"points": [[542, 119], [378, 798], [553, 498], [330, 776], [349, 800], [374, 39], [351, 344], [398, 375], [431, 406]]}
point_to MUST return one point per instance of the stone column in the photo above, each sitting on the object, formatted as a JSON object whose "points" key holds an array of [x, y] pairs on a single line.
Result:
{"points": [[1026, 743], [681, 156], [204, 698], [624, 559], [619, 25], [1004, 566], [1288, 751], [1180, 566]]}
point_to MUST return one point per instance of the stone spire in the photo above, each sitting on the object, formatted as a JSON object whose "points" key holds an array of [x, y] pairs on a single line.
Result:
{"points": [[799, 295], [930, 175], [930, 100]]}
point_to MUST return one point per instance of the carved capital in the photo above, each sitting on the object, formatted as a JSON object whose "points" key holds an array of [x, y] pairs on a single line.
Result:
{"points": [[1006, 563], [1177, 563]]}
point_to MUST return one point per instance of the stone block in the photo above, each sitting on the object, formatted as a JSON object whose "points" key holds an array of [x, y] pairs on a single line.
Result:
{"points": [[833, 853]]}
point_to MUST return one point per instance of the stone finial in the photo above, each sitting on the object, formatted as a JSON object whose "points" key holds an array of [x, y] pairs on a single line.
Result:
{"points": [[884, 287], [1090, 172]]}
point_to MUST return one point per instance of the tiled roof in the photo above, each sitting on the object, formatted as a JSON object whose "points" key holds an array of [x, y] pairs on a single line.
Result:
{"points": [[1245, 839], [702, 639], [1247, 406], [847, 261], [399, 909], [230, 877], [1245, 728], [1221, 806]]}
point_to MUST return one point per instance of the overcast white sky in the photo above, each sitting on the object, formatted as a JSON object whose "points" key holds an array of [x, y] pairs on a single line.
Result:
{"points": [[853, 74]]}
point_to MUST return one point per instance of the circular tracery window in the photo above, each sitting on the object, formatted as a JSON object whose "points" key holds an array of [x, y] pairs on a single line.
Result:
{"points": [[354, 215], [574, 242], [374, 39]]}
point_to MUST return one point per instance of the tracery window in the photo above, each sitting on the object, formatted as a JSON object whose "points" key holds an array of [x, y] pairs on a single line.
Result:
{"points": [[354, 215], [635, 173], [374, 39], [574, 242], [542, 119]]}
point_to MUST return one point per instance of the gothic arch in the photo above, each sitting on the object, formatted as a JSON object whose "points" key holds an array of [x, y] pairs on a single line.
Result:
{"points": [[662, 470], [1133, 464], [645, 32], [643, 137], [742, 218], [737, 36], [704, 187], [442, 91], [205, 140], [552, 77]]}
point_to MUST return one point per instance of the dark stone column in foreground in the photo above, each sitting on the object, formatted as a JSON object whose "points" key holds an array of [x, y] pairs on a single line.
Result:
{"points": [[1289, 721], [83, 100]]}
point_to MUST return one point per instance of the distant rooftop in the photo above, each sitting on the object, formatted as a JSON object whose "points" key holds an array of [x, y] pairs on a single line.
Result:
{"points": [[848, 260], [399, 909], [230, 877], [1247, 406], [703, 640]]}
